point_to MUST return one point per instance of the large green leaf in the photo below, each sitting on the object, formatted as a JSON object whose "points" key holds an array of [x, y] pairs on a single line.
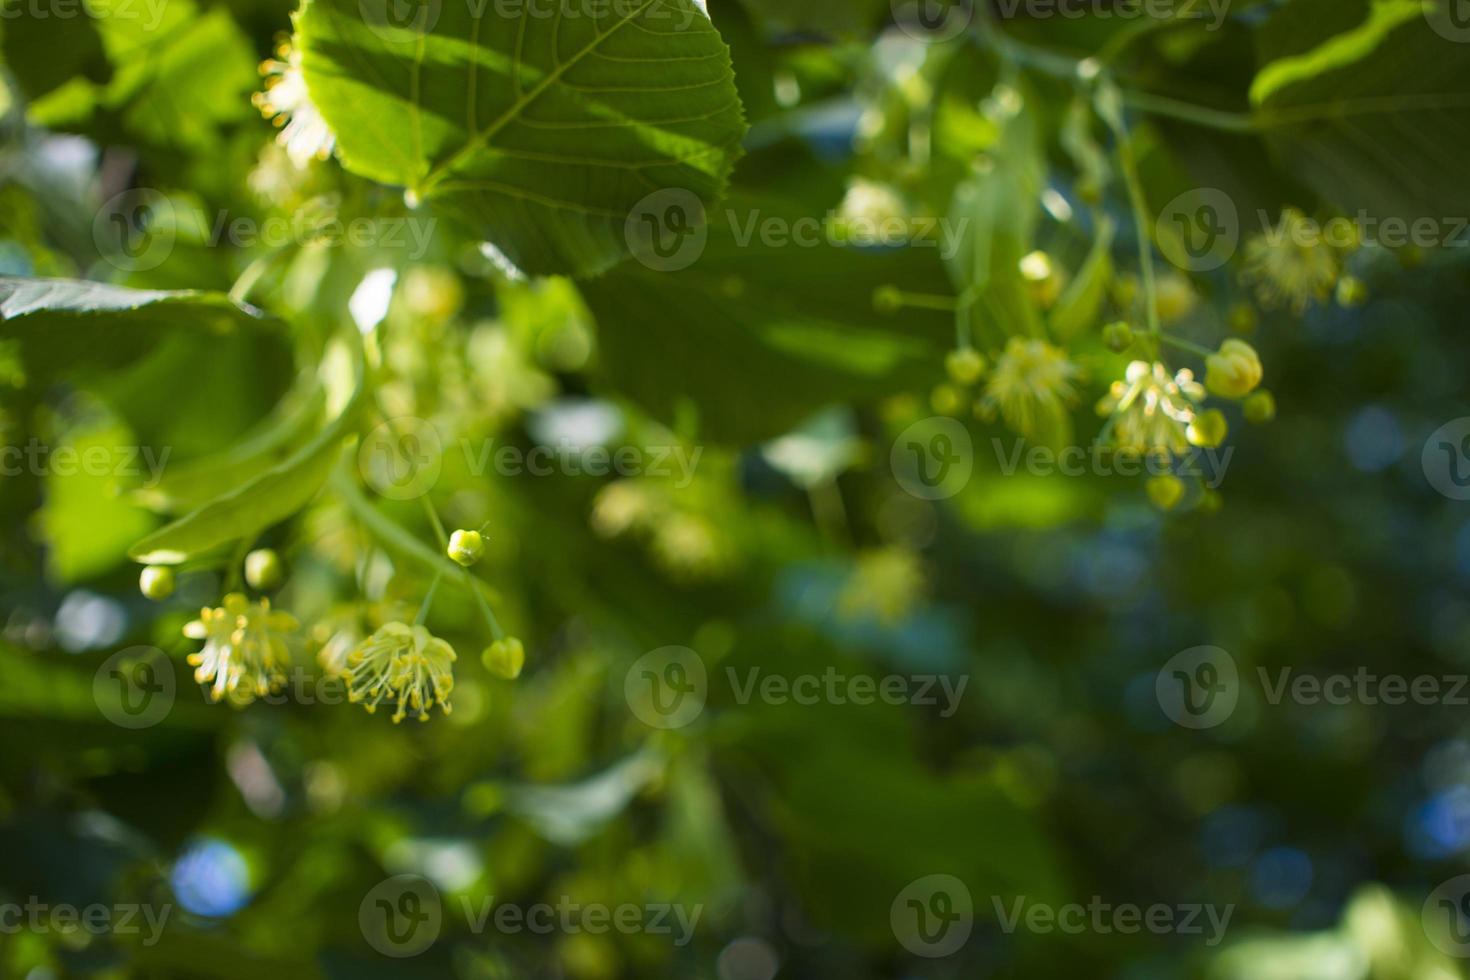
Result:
{"points": [[272, 495], [999, 207], [74, 326], [1372, 110], [759, 336], [543, 133]]}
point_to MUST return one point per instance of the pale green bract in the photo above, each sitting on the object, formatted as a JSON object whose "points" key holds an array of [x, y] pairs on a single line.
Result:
{"points": [[540, 125]]}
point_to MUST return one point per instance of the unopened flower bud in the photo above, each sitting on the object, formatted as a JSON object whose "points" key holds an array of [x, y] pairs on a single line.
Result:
{"points": [[1165, 491], [1235, 371], [263, 570], [1260, 407], [466, 547], [157, 582], [965, 366], [505, 658], [1118, 337], [1208, 429]]}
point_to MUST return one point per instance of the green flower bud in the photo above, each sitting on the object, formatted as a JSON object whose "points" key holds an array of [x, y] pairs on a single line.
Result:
{"points": [[505, 658], [1260, 407], [1352, 292], [466, 547], [263, 570], [157, 582], [1235, 371], [1045, 280], [1208, 429], [1165, 491], [1118, 337], [887, 299], [965, 366], [1177, 298], [947, 400]]}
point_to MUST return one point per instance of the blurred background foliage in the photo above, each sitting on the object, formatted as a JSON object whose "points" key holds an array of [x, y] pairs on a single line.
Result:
{"points": [[793, 826]]}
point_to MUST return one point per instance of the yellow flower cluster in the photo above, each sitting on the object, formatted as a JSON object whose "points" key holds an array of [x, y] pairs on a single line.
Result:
{"points": [[245, 654]]}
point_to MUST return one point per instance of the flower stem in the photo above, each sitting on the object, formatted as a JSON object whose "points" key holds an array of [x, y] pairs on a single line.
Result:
{"points": [[429, 599], [439, 532], [1183, 344], [1109, 107]]}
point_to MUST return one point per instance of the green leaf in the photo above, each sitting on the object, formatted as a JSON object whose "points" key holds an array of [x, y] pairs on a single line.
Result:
{"points": [[86, 523], [1081, 304], [543, 134], [272, 495], [193, 484], [760, 336], [71, 327], [999, 209], [1374, 116]]}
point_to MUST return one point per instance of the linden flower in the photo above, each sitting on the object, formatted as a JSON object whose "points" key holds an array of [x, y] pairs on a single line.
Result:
{"points": [[1291, 264], [244, 655], [304, 133], [1031, 383], [403, 664], [1151, 411]]}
